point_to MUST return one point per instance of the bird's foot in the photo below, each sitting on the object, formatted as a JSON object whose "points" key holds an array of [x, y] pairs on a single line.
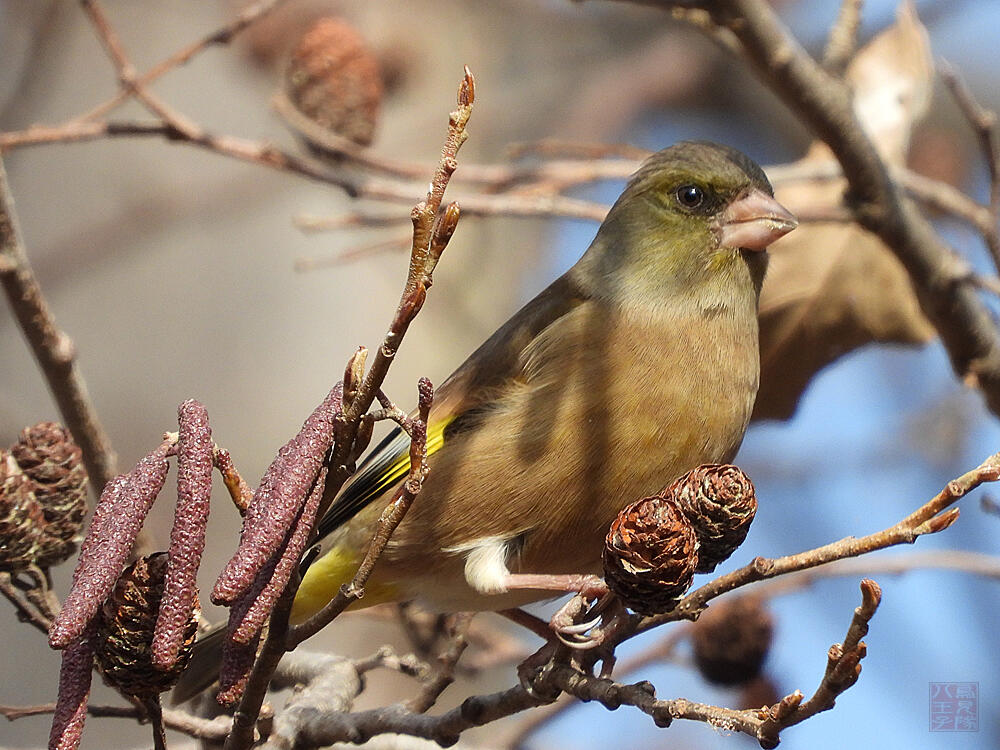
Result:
{"points": [[578, 624], [603, 620]]}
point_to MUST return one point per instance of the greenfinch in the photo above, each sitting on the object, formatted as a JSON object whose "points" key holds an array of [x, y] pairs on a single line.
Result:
{"points": [[638, 364]]}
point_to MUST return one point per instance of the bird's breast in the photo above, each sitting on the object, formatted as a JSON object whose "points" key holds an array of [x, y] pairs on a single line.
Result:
{"points": [[625, 408]]}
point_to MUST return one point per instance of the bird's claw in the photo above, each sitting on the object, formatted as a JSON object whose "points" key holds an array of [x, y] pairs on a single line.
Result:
{"points": [[591, 632]]}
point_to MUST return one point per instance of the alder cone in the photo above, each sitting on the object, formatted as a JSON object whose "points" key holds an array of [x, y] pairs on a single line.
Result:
{"points": [[333, 79], [124, 633], [21, 519], [720, 501], [731, 640], [52, 460], [650, 554]]}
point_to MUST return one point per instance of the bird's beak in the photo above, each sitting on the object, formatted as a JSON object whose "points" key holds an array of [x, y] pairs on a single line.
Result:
{"points": [[754, 221]]}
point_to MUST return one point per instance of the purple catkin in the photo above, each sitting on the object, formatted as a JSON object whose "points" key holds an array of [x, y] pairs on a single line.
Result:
{"points": [[120, 513], [237, 658], [74, 691], [278, 500], [187, 537], [270, 585]]}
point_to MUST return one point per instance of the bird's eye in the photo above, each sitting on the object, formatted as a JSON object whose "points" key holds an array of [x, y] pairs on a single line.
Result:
{"points": [[690, 196]]}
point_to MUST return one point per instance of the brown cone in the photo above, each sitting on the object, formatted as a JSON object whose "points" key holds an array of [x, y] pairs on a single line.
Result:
{"points": [[124, 633], [49, 457], [731, 639], [649, 555], [720, 501], [21, 519], [333, 79]]}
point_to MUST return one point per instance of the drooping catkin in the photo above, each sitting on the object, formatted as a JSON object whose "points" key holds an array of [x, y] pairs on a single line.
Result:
{"points": [[187, 537], [118, 518], [278, 500]]}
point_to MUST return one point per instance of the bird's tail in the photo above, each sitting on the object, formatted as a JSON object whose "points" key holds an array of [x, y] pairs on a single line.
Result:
{"points": [[203, 668]]}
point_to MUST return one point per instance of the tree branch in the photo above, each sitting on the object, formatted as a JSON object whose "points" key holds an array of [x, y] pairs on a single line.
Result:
{"points": [[53, 349]]}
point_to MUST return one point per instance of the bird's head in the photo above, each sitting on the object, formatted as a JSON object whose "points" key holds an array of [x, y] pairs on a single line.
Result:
{"points": [[694, 221]]}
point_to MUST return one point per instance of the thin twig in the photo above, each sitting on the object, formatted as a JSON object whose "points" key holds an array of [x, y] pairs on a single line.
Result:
{"points": [[180, 721], [27, 610], [963, 561], [984, 125], [221, 36], [387, 522], [842, 41], [53, 349], [393, 244], [929, 518], [430, 237], [444, 674], [842, 671]]}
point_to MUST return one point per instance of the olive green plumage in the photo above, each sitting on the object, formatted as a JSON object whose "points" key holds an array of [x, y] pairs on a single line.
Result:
{"points": [[638, 364]]}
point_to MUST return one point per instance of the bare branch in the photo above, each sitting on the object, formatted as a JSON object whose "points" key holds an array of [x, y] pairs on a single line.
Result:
{"points": [[28, 608], [221, 36], [843, 38], [927, 519], [53, 349], [180, 721], [984, 125], [842, 671], [430, 237]]}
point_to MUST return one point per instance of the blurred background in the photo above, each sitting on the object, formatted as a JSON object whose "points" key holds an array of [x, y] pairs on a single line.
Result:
{"points": [[174, 271]]}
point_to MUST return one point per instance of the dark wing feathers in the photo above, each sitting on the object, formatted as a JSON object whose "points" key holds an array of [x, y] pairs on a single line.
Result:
{"points": [[368, 483], [459, 403]]}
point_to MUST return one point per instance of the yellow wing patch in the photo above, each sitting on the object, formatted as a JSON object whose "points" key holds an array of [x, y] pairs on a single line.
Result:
{"points": [[329, 572], [401, 466]]}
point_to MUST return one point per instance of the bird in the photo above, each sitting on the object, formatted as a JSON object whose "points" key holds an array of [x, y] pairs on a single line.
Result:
{"points": [[636, 365]]}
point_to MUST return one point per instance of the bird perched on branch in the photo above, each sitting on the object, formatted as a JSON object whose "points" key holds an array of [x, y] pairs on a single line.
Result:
{"points": [[638, 364]]}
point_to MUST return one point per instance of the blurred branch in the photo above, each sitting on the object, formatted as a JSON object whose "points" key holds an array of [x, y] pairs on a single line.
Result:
{"points": [[53, 349], [221, 36], [842, 40], [962, 561], [984, 125], [180, 721]]}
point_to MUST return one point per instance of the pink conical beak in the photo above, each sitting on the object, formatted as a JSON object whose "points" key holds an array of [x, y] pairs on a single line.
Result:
{"points": [[754, 221]]}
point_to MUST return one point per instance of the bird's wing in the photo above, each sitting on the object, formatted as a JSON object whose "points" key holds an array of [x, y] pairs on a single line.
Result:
{"points": [[459, 403]]}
